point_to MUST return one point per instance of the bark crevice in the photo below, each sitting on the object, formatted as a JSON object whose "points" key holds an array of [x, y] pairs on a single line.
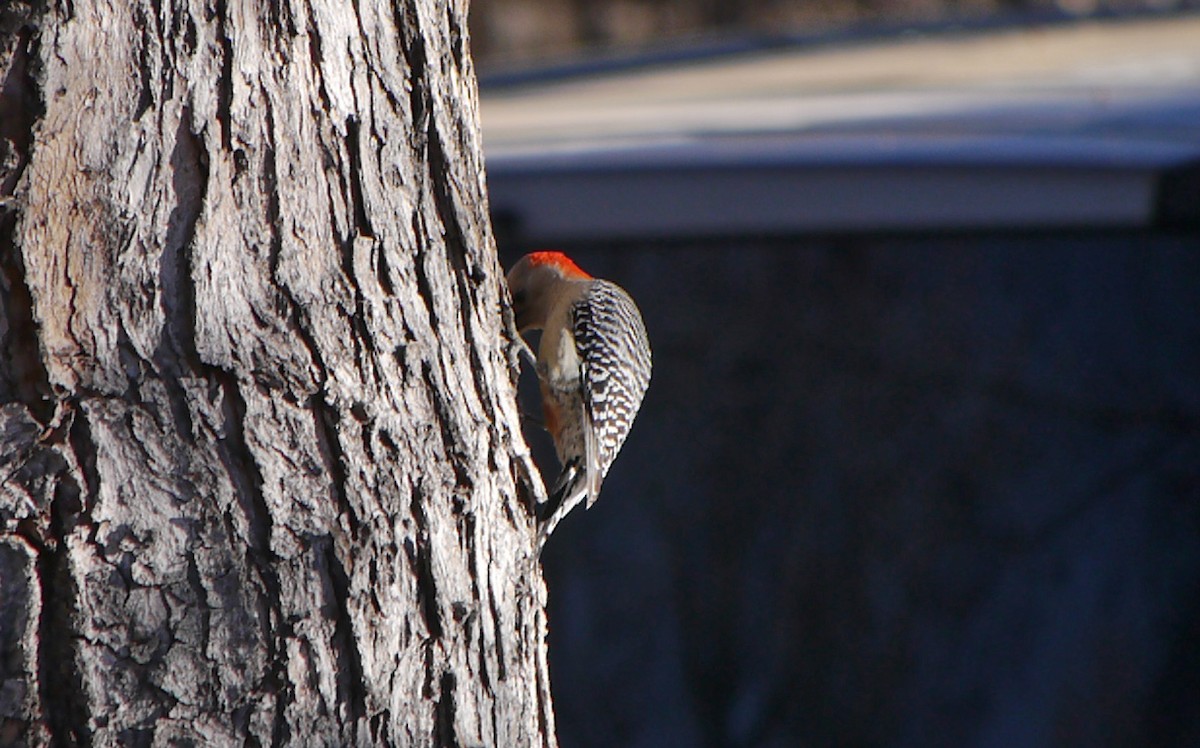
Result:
{"points": [[351, 670], [497, 617], [326, 423], [443, 194], [444, 732], [220, 10], [62, 692], [144, 69], [189, 181], [247, 478], [420, 256], [23, 374], [362, 221], [420, 561], [20, 96], [450, 431], [316, 57], [61, 685]]}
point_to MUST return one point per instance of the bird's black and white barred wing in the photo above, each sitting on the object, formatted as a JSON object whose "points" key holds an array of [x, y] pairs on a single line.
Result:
{"points": [[614, 354]]}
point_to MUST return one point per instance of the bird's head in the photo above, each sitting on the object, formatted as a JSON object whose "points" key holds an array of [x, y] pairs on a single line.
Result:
{"points": [[535, 282]]}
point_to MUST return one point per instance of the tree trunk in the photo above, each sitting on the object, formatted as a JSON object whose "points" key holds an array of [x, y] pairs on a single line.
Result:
{"points": [[263, 480]]}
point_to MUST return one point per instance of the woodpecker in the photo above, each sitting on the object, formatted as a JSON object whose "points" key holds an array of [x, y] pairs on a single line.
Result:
{"points": [[593, 367]]}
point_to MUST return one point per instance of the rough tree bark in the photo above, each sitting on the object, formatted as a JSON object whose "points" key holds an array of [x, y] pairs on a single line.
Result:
{"points": [[262, 475]]}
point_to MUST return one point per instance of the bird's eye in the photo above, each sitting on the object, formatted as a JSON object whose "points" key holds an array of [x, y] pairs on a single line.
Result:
{"points": [[519, 298]]}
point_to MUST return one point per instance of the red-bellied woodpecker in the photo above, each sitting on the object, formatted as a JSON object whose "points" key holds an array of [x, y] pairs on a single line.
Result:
{"points": [[593, 365]]}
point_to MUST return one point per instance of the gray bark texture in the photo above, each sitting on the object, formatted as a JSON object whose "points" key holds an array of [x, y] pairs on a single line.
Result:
{"points": [[262, 476]]}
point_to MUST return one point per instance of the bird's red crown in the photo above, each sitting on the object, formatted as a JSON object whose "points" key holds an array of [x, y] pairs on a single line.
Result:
{"points": [[565, 264]]}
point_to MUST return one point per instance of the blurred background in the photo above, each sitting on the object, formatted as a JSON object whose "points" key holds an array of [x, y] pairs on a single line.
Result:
{"points": [[920, 461], [519, 32]]}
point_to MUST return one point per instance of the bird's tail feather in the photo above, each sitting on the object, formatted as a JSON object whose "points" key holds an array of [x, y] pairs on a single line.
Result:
{"points": [[570, 489]]}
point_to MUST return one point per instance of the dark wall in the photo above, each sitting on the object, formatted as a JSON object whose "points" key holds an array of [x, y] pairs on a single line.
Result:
{"points": [[895, 492]]}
